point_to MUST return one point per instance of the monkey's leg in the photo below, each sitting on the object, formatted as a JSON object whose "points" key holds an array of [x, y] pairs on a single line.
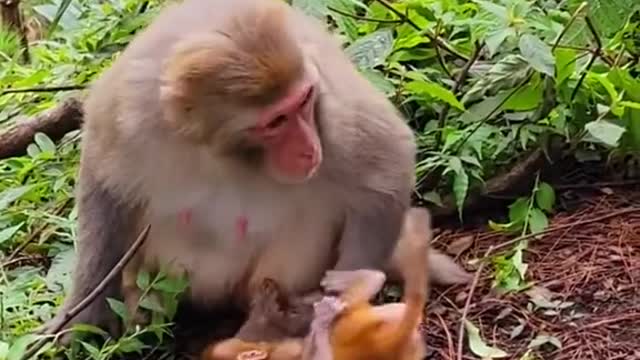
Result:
{"points": [[105, 226]]}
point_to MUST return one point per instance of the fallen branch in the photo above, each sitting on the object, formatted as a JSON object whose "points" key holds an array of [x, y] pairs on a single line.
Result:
{"points": [[93, 294], [55, 123]]}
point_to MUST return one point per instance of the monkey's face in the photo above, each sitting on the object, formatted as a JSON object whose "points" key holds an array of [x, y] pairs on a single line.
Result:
{"points": [[287, 132]]}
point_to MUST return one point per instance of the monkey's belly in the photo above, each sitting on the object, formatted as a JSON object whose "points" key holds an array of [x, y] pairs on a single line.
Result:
{"points": [[295, 255]]}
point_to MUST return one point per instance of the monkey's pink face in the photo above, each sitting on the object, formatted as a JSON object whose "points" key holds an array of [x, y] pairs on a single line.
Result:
{"points": [[287, 131]]}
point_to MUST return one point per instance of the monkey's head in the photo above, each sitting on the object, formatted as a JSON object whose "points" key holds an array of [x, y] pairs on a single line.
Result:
{"points": [[276, 315], [248, 92]]}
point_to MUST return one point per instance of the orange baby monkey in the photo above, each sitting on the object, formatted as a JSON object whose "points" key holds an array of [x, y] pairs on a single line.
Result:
{"points": [[390, 331], [347, 326]]}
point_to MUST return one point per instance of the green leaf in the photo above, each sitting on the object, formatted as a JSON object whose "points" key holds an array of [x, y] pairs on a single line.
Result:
{"points": [[13, 194], [314, 8], [119, 308], [482, 110], [610, 16], [537, 221], [537, 53], [605, 132], [433, 197], [90, 329], [129, 345], [519, 209], [380, 81], [19, 347], [460, 188], [143, 279], [565, 64], [434, 90], [526, 98], [170, 285], [44, 142], [8, 233], [151, 303], [519, 264], [545, 196], [371, 50], [496, 38], [500, 12], [93, 351], [478, 346]]}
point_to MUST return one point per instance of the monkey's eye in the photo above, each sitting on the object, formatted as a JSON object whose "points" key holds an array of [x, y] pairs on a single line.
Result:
{"points": [[276, 123]]}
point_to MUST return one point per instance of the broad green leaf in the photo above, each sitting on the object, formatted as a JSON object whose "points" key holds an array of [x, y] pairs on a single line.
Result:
{"points": [[519, 209], [478, 346], [19, 347], [13, 194], [314, 8], [151, 303], [605, 132], [456, 165], [433, 197], [170, 285], [496, 38], [527, 98], [371, 50], [93, 351], [44, 142], [623, 80], [460, 188], [610, 16], [143, 279], [90, 329], [537, 53], [118, 307], [129, 345], [4, 350], [565, 64], [482, 110], [8, 233], [380, 81], [545, 196], [537, 221], [434, 90], [499, 11]]}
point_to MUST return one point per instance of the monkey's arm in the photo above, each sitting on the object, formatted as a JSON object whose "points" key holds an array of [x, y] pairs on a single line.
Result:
{"points": [[105, 226], [354, 286], [371, 232], [318, 342]]}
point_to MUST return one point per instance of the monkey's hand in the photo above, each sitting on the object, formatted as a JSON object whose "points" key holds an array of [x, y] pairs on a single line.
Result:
{"points": [[325, 311], [361, 284]]}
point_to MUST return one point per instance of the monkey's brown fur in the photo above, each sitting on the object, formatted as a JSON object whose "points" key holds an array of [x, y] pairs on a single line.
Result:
{"points": [[177, 134]]}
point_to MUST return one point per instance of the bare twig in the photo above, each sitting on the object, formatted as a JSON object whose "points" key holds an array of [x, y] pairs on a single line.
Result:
{"points": [[43, 89], [94, 293], [364, 18], [438, 41], [467, 304], [593, 58]]}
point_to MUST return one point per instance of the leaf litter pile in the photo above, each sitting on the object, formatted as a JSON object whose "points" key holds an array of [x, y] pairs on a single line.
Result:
{"points": [[581, 293]]}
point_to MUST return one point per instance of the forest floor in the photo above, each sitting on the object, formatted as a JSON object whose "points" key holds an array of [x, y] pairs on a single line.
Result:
{"points": [[585, 271]]}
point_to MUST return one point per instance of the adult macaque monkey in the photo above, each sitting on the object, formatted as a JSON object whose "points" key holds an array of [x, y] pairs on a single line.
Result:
{"points": [[243, 134]]}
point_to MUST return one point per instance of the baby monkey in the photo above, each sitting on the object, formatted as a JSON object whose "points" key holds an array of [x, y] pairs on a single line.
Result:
{"points": [[347, 326]]}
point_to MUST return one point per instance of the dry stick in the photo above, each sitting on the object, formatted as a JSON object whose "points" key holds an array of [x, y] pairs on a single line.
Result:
{"points": [[467, 304], [94, 293], [44, 89]]}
